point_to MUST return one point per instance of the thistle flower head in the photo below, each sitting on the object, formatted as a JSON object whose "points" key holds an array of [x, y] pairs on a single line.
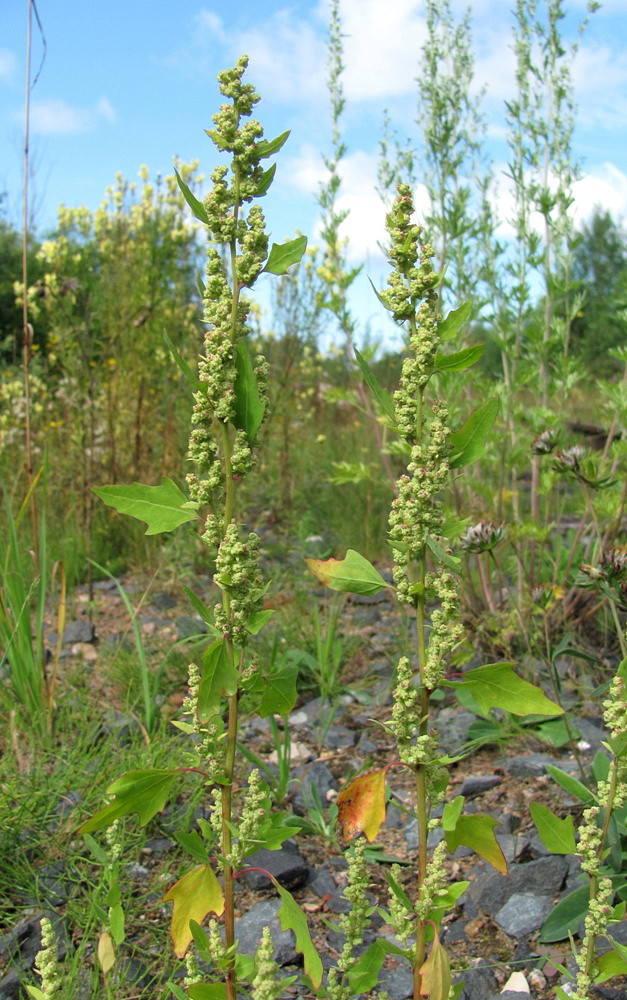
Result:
{"points": [[482, 537]]}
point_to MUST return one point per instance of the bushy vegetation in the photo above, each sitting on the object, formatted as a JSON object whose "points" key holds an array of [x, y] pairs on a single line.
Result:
{"points": [[480, 469]]}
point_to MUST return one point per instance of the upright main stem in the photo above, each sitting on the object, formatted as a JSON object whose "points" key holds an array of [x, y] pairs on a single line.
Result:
{"points": [[422, 805]]}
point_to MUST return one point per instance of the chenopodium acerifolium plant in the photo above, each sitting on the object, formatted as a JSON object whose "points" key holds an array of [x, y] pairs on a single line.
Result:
{"points": [[425, 580], [229, 409]]}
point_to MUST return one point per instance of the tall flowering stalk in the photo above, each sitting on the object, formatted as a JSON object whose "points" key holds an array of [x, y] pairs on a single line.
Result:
{"points": [[229, 405], [425, 581], [416, 516]]}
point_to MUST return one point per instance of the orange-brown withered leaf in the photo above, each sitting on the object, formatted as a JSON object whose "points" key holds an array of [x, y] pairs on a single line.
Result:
{"points": [[361, 806]]}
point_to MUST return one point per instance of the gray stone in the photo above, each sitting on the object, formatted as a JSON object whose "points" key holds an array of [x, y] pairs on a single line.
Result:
{"points": [[249, 928], [544, 877], [339, 738], [523, 914], [322, 882], [286, 866], [478, 983], [513, 845], [475, 784], [163, 601], [453, 725], [592, 732], [318, 775], [190, 625], [397, 982], [78, 631]]}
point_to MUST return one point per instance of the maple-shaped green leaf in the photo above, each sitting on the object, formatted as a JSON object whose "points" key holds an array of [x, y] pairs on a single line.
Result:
{"points": [[435, 972], [608, 965], [206, 991], [218, 678], [284, 255], [557, 835], [194, 896], [279, 691], [467, 442], [291, 917], [141, 792], [267, 147], [249, 408], [353, 574], [361, 806], [477, 832], [162, 507], [257, 620], [364, 974], [495, 685]]}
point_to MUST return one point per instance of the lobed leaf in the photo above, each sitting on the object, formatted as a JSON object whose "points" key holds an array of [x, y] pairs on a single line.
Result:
{"points": [[141, 792], [284, 255], [477, 832], [207, 991], [361, 806], [219, 677], [162, 507], [279, 692], [497, 686], [193, 896], [557, 835], [353, 574], [291, 917], [267, 147]]}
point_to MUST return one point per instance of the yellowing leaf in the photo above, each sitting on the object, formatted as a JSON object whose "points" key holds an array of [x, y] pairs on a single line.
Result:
{"points": [[194, 896], [361, 806], [353, 574], [106, 952], [435, 973], [477, 832]]}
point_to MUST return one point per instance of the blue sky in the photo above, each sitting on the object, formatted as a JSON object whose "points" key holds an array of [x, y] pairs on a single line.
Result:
{"points": [[127, 82]]}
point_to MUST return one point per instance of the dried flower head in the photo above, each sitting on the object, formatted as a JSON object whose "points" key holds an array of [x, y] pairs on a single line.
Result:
{"points": [[544, 443], [482, 537]]}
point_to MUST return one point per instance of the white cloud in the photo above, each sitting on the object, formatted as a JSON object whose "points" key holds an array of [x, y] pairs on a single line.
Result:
{"points": [[382, 45], [604, 186], [287, 57], [57, 117], [600, 80], [8, 64]]}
